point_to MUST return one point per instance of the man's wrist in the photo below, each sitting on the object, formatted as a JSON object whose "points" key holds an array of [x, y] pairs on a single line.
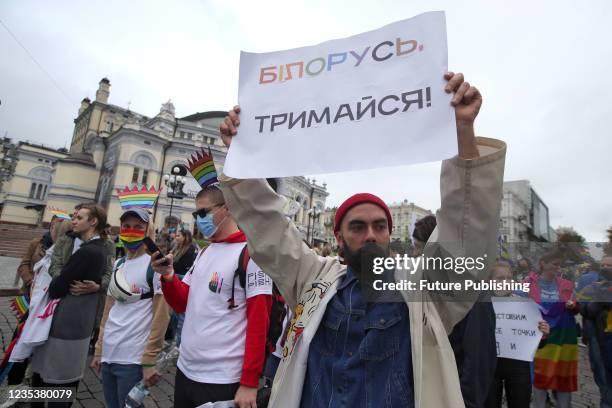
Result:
{"points": [[466, 140], [168, 277]]}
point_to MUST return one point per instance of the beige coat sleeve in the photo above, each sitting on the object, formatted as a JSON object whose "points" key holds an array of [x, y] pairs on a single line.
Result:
{"points": [[274, 242], [108, 304], [471, 193], [159, 324]]}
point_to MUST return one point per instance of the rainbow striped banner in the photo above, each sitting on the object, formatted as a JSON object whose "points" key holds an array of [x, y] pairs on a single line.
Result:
{"points": [[202, 168], [20, 306], [135, 198], [556, 364], [59, 213]]}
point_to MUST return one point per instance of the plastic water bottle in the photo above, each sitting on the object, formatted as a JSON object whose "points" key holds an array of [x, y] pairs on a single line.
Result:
{"points": [[136, 395], [139, 392]]}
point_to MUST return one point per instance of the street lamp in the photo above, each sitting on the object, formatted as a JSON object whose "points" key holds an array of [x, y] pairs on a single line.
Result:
{"points": [[175, 183], [313, 214]]}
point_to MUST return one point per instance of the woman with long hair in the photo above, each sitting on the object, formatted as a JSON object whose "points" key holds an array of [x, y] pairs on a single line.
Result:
{"points": [[556, 364], [184, 253]]}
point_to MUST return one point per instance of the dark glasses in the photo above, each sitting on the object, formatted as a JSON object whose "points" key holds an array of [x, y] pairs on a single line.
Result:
{"points": [[203, 211]]}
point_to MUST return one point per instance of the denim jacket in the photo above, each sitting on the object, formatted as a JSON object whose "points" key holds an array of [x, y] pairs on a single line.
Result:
{"points": [[360, 355]]}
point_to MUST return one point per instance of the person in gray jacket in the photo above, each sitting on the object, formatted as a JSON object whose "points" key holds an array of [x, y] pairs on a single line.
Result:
{"points": [[67, 245], [342, 350]]}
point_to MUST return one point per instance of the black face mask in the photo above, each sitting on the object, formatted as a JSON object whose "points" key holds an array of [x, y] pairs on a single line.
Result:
{"points": [[606, 273]]}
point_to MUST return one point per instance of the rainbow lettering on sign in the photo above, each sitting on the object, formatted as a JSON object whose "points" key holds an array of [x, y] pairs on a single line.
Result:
{"points": [[379, 53]]}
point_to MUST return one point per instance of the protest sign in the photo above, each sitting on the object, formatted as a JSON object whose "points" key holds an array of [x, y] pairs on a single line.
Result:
{"points": [[516, 329], [371, 100]]}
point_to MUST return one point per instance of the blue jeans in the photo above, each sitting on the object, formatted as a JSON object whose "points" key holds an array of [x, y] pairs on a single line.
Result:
{"points": [[117, 381]]}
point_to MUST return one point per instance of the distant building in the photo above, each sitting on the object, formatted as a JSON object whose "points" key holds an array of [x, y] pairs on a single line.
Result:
{"points": [[524, 220], [405, 214], [113, 147], [524, 215]]}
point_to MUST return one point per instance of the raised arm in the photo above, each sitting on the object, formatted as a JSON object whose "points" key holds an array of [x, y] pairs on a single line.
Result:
{"points": [[275, 244]]}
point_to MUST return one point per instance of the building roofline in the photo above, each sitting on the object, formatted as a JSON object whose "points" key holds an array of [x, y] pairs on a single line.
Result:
{"points": [[61, 150], [204, 115]]}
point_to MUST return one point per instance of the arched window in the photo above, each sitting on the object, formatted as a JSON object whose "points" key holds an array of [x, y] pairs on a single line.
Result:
{"points": [[41, 179]]}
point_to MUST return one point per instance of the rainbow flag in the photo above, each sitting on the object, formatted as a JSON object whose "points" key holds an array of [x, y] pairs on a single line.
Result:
{"points": [[135, 198], [60, 213], [202, 168], [556, 364], [20, 306]]}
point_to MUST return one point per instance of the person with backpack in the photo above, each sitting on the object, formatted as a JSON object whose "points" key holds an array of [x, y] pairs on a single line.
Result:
{"points": [[135, 315], [226, 299]]}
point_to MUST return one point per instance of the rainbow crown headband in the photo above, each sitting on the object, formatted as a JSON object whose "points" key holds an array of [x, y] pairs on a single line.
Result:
{"points": [[59, 213], [202, 167], [135, 198]]}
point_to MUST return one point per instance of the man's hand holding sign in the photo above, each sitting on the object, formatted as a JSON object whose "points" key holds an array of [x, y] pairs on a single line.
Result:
{"points": [[386, 96]]}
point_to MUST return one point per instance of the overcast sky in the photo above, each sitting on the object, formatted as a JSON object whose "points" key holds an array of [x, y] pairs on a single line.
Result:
{"points": [[543, 67]]}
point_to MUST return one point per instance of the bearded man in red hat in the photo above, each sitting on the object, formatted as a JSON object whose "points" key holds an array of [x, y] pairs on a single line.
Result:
{"points": [[342, 349]]}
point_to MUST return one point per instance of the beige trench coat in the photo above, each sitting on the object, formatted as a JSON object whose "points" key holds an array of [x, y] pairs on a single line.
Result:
{"points": [[471, 192]]}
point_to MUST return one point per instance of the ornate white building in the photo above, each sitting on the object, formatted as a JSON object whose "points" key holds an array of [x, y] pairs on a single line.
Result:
{"points": [[113, 147]]}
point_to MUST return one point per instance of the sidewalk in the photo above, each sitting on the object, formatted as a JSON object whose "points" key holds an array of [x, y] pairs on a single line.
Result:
{"points": [[8, 268]]}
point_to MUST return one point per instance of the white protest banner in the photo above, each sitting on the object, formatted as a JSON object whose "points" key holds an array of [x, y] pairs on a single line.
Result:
{"points": [[371, 100], [516, 331]]}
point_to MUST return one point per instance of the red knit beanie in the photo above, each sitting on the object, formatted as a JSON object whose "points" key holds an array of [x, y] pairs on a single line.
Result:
{"points": [[357, 199]]}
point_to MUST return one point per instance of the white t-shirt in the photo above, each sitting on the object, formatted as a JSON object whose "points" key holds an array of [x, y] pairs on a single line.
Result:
{"points": [[213, 336], [129, 324]]}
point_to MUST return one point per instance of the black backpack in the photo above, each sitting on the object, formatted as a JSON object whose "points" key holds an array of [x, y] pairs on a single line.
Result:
{"points": [[278, 311]]}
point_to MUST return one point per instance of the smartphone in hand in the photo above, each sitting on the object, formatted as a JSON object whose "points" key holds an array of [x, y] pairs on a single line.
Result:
{"points": [[152, 248]]}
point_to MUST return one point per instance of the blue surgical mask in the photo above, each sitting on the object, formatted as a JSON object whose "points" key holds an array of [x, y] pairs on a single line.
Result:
{"points": [[206, 225]]}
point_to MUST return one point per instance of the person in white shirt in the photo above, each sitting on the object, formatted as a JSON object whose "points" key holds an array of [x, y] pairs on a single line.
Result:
{"points": [[223, 343], [135, 317]]}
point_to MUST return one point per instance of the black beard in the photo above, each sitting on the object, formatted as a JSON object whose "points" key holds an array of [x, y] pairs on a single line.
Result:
{"points": [[362, 260]]}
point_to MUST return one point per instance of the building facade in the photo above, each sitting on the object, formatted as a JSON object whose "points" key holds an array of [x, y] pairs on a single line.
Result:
{"points": [[113, 147], [524, 221], [405, 215]]}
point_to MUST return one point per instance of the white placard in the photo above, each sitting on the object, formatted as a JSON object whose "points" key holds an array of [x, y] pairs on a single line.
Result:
{"points": [[516, 329], [371, 100]]}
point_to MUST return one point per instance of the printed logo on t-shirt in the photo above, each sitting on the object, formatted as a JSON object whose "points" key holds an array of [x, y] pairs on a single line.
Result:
{"points": [[215, 284], [257, 279]]}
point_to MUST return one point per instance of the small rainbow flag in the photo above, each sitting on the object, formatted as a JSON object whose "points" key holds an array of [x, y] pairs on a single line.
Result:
{"points": [[135, 198], [20, 306], [556, 364], [59, 213], [202, 167]]}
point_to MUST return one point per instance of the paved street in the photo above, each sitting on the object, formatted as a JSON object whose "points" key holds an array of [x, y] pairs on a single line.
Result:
{"points": [[8, 268], [90, 390]]}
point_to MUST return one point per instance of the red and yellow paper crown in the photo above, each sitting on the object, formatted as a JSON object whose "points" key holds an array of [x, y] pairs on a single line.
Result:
{"points": [[135, 198], [59, 213], [202, 167]]}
